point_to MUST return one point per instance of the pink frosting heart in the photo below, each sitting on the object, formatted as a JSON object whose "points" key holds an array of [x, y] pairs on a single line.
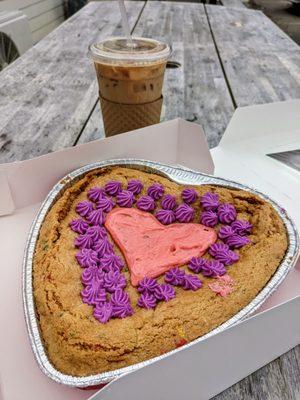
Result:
{"points": [[150, 248]]}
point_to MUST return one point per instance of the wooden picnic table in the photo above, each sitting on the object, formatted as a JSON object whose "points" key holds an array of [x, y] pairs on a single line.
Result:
{"points": [[228, 57]]}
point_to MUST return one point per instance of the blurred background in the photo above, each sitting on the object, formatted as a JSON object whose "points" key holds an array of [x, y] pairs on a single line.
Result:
{"points": [[24, 22]]}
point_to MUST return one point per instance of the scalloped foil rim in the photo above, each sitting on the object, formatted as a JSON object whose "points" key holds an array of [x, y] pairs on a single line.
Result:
{"points": [[179, 175]]}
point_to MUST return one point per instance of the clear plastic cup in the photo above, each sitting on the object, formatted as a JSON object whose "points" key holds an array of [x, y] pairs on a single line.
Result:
{"points": [[130, 77]]}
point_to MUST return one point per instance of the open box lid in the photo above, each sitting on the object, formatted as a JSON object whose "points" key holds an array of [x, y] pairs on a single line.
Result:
{"points": [[253, 134], [203, 372], [243, 155], [175, 142], [25, 184]]}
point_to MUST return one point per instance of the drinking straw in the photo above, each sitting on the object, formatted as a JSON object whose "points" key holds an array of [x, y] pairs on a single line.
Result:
{"points": [[125, 23]]}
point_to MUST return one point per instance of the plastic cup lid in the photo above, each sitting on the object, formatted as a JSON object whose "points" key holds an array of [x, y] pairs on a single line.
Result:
{"points": [[139, 51]]}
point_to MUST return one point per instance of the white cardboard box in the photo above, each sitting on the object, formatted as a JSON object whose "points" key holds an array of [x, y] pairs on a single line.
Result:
{"points": [[211, 366], [205, 368], [23, 186]]}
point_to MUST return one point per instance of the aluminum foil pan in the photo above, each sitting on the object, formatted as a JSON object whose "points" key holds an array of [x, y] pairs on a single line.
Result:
{"points": [[177, 174]]}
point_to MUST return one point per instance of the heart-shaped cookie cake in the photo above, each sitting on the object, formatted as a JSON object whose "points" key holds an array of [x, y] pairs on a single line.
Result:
{"points": [[129, 265]]}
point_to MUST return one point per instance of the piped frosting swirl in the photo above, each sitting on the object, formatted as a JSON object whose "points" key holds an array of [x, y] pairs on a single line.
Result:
{"points": [[241, 227], [113, 188], [166, 217], [226, 213], [189, 195], [156, 191], [209, 201], [125, 198], [146, 203], [84, 208], [105, 203], [209, 218], [168, 202], [184, 213], [135, 186], [87, 258], [79, 226], [96, 193], [213, 268]]}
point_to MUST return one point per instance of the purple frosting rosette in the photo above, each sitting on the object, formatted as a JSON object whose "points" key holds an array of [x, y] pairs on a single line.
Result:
{"points": [[209, 218], [147, 285], [226, 213], [96, 217], [125, 198], [113, 188], [146, 203], [135, 186], [121, 304], [103, 282], [197, 263], [156, 191], [87, 258], [164, 292], [189, 195], [79, 226], [166, 217], [213, 268], [103, 247], [84, 241], [147, 300], [105, 204], [103, 312], [210, 201], [96, 232], [168, 202], [175, 276], [92, 274], [184, 213], [241, 227], [114, 280], [84, 208], [96, 193], [191, 282]]}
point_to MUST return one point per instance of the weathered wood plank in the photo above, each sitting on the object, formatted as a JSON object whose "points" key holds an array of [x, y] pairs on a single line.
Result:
{"points": [[290, 158], [261, 62], [94, 128], [47, 95], [233, 3], [279, 380], [33, 123], [290, 368], [196, 90]]}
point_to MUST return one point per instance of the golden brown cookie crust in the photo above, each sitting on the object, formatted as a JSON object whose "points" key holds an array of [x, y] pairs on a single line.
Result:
{"points": [[77, 344]]}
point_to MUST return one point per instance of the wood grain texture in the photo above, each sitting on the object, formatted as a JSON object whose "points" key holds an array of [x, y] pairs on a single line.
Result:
{"points": [[47, 95], [279, 380], [233, 3], [261, 62], [290, 158], [197, 90], [94, 128]]}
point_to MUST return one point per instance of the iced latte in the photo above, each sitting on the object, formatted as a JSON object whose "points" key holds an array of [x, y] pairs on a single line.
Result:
{"points": [[130, 81]]}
